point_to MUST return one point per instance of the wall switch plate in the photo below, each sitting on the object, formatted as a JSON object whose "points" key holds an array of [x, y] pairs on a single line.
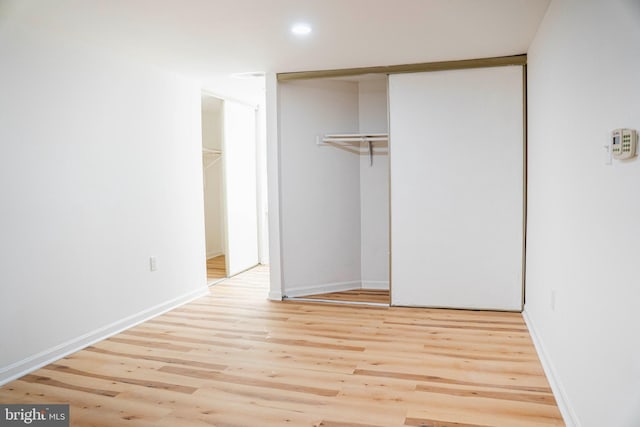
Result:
{"points": [[153, 263]]}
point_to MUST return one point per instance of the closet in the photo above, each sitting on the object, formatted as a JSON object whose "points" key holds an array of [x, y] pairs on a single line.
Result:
{"points": [[229, 162], [334, 184], [409, 179]]}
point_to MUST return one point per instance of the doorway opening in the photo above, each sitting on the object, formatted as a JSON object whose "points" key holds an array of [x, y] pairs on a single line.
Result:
{"points": [[231, 159], [214, 201]]}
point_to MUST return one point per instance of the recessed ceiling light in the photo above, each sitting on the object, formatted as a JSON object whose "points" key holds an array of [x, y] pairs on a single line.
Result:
{"points": [[301, 29]]}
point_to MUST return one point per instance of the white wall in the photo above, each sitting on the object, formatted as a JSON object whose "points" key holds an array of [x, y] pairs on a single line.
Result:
{"points": [[319, 187], [213, 206], [214, 210], [101, 169], [583, 221], [374, 186]]}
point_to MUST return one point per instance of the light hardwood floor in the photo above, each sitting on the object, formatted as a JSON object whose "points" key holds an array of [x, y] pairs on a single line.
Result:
{"points": [[216, 268], [377, 296], [233, 358]]}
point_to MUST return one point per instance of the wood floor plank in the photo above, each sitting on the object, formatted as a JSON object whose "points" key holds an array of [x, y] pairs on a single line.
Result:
{"points": [[237, 414], [330, 423], [170, 360], [256, 382], [377, 296], [39, 379], [444, 380], [147, 343], [541, 398], [233, 358], [125, 380], [417, 422], [193, 342], [277, 357], [484, 412], [216, 268]]}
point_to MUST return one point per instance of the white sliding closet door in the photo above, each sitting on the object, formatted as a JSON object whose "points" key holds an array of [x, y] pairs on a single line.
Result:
{"points": [[456, 158], [239, 148]]}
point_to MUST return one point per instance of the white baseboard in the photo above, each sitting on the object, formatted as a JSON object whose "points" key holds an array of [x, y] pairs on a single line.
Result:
{"points": [[30, 364], [214, 254], [321, 288], [375, 284], [569, 415]]}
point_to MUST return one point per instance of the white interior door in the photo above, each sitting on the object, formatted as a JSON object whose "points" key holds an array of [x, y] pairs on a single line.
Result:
{"points": [[240, 186], [456, 159]]}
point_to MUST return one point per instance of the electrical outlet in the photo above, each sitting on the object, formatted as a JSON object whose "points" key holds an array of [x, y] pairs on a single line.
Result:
{"points": [[153, 263], [553, 300]]}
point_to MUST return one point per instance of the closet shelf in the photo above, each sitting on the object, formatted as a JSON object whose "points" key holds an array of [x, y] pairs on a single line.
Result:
{"points": [[210, 157], [369, 138]]}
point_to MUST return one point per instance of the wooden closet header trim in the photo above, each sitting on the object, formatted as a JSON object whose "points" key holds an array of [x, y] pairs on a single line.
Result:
{"points": [[499, 61]]}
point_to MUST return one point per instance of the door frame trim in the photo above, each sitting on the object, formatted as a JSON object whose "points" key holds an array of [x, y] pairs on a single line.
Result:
{"points": [[497, 61]]}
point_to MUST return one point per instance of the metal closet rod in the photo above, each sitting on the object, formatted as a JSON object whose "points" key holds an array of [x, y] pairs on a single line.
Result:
{"points": [[353, 137], [370, 138]]}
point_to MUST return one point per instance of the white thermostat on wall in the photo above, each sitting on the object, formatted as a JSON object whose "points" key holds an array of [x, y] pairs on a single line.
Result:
{"points": [[623, 143]]}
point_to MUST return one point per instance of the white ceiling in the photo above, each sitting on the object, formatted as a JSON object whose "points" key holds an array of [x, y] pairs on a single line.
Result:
{"points": [[211, 39]]}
